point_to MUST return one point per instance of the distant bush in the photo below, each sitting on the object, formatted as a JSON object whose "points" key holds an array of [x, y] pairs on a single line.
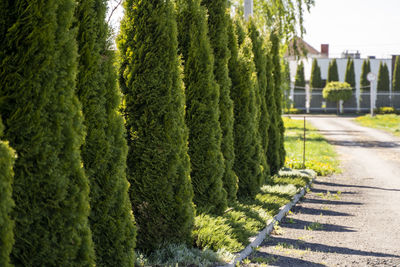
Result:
{"points": [[336, 91], [386, 110], [292, 111]]}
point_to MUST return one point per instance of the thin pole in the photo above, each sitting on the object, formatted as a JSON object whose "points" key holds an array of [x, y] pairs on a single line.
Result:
{"points": [[304, 144], [372, 97]]}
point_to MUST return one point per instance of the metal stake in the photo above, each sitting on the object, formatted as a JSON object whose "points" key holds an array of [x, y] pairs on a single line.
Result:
{"points": [[304, 144]]}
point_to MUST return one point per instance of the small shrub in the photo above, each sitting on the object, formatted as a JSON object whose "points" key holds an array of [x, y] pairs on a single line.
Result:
{"points": [[385, 110], [292, 111], [336, 91]]}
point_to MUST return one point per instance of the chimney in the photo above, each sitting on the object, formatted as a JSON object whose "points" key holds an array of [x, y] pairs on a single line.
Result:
{"points": [[325, 50]]}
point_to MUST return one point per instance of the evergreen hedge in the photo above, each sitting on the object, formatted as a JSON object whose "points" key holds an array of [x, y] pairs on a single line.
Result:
{"points": [[7, 158], [299, 80], [396, 75], [43, 123], [218, 32], [365, 69], [333, 75], [315, 79], [277, 72], [202, 109], [105, 149], [350, 76], [250, 157], [264, 114], [158, 161], [383, 78]]}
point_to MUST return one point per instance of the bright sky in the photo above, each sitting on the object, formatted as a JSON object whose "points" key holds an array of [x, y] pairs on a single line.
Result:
{"points": [[370, 26]]}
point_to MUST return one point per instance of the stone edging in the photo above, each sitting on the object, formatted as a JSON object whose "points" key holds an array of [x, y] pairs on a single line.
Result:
{"points": [[257, 240]]}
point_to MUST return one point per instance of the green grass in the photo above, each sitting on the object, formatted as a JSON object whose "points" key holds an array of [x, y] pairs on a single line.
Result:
{"points": [[246, 217], [320, 155], [389, 122]]}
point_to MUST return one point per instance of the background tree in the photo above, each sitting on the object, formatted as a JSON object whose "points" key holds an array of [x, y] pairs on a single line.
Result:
{"points": [[336, 91], [158, 162], [202, 110], [315, 79], [350, 76], [218, 32], [43, 123], [264, 113], [383, 78], [249, 154], [396, 75], [365, 69], [333, 75], [105, 149], [7, 158], [299, 80]]}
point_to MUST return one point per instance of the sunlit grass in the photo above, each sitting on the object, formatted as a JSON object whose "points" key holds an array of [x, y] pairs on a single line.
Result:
{"points": [[388, 122], [320, 155]]}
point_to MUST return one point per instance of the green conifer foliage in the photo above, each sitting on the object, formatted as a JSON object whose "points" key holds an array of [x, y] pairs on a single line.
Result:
{"points": [[202, 112], [315, 79], [396, 75], [7, 158], [365, 69], [158, 161], [249, 154], [333, 75], [264, 114], [277, 72], [299, 80], [350, 76], [43, 123], [218, 32], [383, 78], [105, 150]]}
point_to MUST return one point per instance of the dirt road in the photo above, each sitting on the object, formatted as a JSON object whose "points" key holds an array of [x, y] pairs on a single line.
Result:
{"points": [[350, 219]]}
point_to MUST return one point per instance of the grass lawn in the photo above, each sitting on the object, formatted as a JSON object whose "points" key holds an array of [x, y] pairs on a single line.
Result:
{"points": [[388, 122], [320, 155]]}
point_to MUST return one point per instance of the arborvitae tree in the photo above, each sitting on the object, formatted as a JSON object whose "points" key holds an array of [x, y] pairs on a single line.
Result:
{"points": [[285, 83], [43, 123], [365, 69], [202, 109], [158, 161], [315, 79], [218, 32], [299, 80], [396, 75], [383, 78], [333, 75], [7, 158], [264, 114], [276, 73], [249, 154], [350, 76], [105, 149]]}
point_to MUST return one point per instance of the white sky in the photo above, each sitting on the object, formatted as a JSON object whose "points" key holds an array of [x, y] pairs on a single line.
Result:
{"points": [[370, 26]]}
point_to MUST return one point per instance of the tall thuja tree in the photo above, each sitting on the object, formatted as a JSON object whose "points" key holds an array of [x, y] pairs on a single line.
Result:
{"points": [[365, 69], [250, 159], [299, 80], [333, 75], [218, 32], [264, 113], [315, 79], [350, 76], [105, 150], [276, 74], [7, 158], [158, 161], [383, 78], [396, 75], [43, 123], [202, 109]]}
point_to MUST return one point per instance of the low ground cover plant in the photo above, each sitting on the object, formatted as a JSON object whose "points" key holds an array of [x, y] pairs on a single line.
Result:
{"points": [[320, 155], [387, 122]]}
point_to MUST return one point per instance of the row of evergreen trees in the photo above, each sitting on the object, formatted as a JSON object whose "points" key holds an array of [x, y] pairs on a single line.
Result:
{"points": [[383, 75], [198, 125]]}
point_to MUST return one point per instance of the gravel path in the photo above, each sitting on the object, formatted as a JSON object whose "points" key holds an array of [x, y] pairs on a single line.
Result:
{"points": [[351, 219]]}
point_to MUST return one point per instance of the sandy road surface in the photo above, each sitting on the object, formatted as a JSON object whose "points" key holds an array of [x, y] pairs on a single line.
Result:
{"points": [[350, 219]]}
